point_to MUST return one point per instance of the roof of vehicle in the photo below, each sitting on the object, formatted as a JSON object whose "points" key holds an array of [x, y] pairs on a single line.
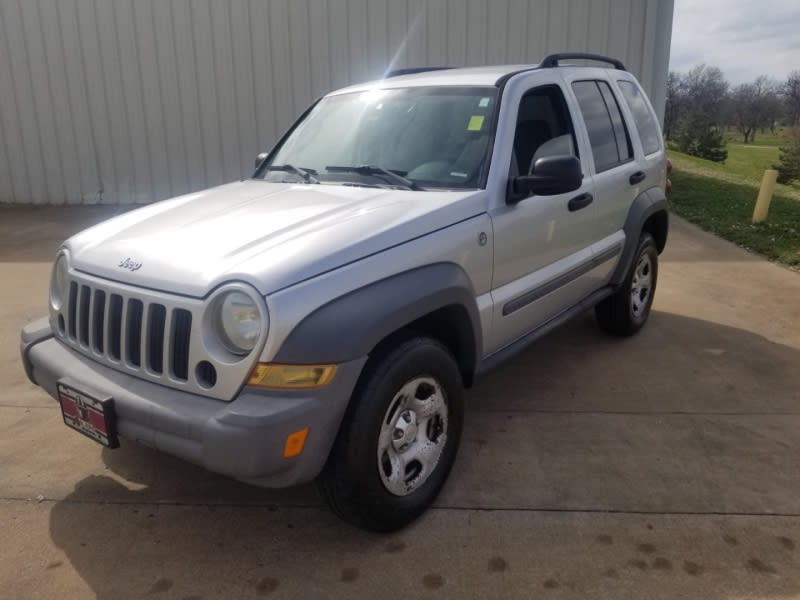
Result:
{"points": [[492, 75], [468, 76]]}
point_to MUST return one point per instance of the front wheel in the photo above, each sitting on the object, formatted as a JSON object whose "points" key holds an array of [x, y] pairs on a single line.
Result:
{"points": [[398, 440], [626, 311]]}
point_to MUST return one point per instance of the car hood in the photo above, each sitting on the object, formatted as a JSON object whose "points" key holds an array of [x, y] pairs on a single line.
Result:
{"points": [[270, 235]]}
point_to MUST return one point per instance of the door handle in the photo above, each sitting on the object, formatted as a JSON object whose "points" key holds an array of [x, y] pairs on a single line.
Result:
{"points": [[637, 177], [579, 202]]}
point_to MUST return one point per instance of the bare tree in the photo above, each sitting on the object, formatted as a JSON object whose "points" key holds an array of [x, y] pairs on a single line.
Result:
{"points": [[754, 106], [675, 103], [695, 102], [704, 90], [791, 97]]}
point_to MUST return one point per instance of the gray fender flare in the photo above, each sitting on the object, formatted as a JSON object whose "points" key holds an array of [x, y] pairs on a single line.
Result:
{"points": [[351, 325], [644, 206]]}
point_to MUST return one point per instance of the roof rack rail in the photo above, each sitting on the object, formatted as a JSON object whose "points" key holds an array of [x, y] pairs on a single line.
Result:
{"points": [[412, 71], [552, 60]]}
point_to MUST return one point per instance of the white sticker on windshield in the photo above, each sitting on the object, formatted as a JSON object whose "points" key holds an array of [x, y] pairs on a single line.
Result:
{"points": [[457, 174], [484, 102]]}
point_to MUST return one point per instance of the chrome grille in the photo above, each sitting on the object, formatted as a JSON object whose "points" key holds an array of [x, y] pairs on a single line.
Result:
{"points": [[130, 331], [149, 334]]}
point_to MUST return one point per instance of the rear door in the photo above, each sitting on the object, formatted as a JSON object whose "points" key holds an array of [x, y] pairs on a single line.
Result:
{"points": [[618, 175]]}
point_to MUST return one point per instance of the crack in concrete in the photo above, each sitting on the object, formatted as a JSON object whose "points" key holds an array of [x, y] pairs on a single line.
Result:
{"points": [[489, 411], [520, 509], [516, 411]]}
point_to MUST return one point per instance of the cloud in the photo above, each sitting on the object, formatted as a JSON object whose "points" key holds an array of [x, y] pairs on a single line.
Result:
{"points": [[744, 38]]}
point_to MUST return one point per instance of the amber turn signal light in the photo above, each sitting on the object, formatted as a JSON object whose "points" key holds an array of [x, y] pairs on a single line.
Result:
{"points": [[291, 377], [295, 443]]}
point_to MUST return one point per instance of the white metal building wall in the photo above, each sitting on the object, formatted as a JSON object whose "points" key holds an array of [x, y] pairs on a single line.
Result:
{"points": [[120, 101]]}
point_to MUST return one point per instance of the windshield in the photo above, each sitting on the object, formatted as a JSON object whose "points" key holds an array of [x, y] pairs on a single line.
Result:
{"points": [[429, 136]]}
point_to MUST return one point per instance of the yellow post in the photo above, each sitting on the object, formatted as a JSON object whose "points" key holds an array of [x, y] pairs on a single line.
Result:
{"points": [[765, 195]]}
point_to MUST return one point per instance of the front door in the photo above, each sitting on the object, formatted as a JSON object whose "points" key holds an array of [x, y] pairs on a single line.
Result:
{"points": [[543, 244]]}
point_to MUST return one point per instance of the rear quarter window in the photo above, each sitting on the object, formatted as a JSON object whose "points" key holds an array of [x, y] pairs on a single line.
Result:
{"points": [[642, 116]]}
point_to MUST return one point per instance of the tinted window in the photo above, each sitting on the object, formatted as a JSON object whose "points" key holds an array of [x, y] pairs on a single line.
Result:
{"points": [[607, 135], [642, 116], [620, 131]]}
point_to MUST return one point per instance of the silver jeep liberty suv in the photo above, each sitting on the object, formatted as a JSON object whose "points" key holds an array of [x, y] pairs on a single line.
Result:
{"points": [[321, 319]]}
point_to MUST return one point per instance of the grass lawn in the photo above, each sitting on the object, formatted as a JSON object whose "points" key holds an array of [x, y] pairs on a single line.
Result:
{"points": [[745, 165], [725, 208], [765, 138], [751, 161], [720, 197]]}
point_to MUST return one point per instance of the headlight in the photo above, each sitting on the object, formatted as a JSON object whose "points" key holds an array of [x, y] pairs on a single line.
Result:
{"points": [[58, 283], [239, 322]]}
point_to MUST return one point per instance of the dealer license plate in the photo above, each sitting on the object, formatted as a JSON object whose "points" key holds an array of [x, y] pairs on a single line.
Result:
{"points": [[85, 412]]}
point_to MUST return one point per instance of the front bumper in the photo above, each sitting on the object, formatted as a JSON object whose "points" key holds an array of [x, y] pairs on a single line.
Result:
{"points": [[244, 438]]}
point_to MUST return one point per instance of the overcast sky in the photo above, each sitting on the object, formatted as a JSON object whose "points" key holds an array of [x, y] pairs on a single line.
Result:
{"points": [[744, 38]]}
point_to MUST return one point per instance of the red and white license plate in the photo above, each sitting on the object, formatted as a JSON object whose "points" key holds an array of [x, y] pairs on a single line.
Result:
{"points": [[85, 412]]}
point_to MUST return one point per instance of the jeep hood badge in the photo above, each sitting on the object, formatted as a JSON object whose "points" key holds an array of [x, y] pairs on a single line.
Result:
{"points": [[129, 264]]}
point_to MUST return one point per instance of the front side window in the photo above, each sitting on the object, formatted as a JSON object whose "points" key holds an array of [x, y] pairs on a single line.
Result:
{"points": [[543, 129], [608, 136], [642, 116], [430, 136]]}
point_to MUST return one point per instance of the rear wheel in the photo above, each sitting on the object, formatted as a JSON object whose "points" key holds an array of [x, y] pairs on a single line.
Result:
{"points": [[398, 440], [626, 311]]}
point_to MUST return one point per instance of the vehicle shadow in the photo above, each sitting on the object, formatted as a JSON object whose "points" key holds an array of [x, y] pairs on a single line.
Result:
{"points": [[687, 416], [679, 480], [675, 364]]}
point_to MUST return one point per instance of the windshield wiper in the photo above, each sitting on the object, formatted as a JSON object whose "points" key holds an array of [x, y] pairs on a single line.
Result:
{"points": [[376, 170], [287, 168]]}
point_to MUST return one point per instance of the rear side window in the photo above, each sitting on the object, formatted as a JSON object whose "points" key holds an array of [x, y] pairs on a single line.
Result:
{"points": [[608, 136], [642, 116]]}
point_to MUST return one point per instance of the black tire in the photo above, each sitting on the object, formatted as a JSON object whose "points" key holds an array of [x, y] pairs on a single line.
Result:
{"points": [[351, 483], [617, 314]]}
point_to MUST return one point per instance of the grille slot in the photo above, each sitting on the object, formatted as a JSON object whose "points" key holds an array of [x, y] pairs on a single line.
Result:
{"points": [[98, 321], [155, 335], [72, 310], [133, 332], [83, 315], [115, 327], [181, 330]]}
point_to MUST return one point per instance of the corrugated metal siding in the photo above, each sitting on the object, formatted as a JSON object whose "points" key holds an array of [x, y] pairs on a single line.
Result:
{"points": [[121, 101]]}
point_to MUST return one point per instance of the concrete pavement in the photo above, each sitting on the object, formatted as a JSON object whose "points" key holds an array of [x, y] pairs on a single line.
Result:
{"points": [[662, 466]]}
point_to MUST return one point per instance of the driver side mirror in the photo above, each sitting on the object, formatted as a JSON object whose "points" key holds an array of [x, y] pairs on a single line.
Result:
{"points": [[260, 158], [551, 175]]}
